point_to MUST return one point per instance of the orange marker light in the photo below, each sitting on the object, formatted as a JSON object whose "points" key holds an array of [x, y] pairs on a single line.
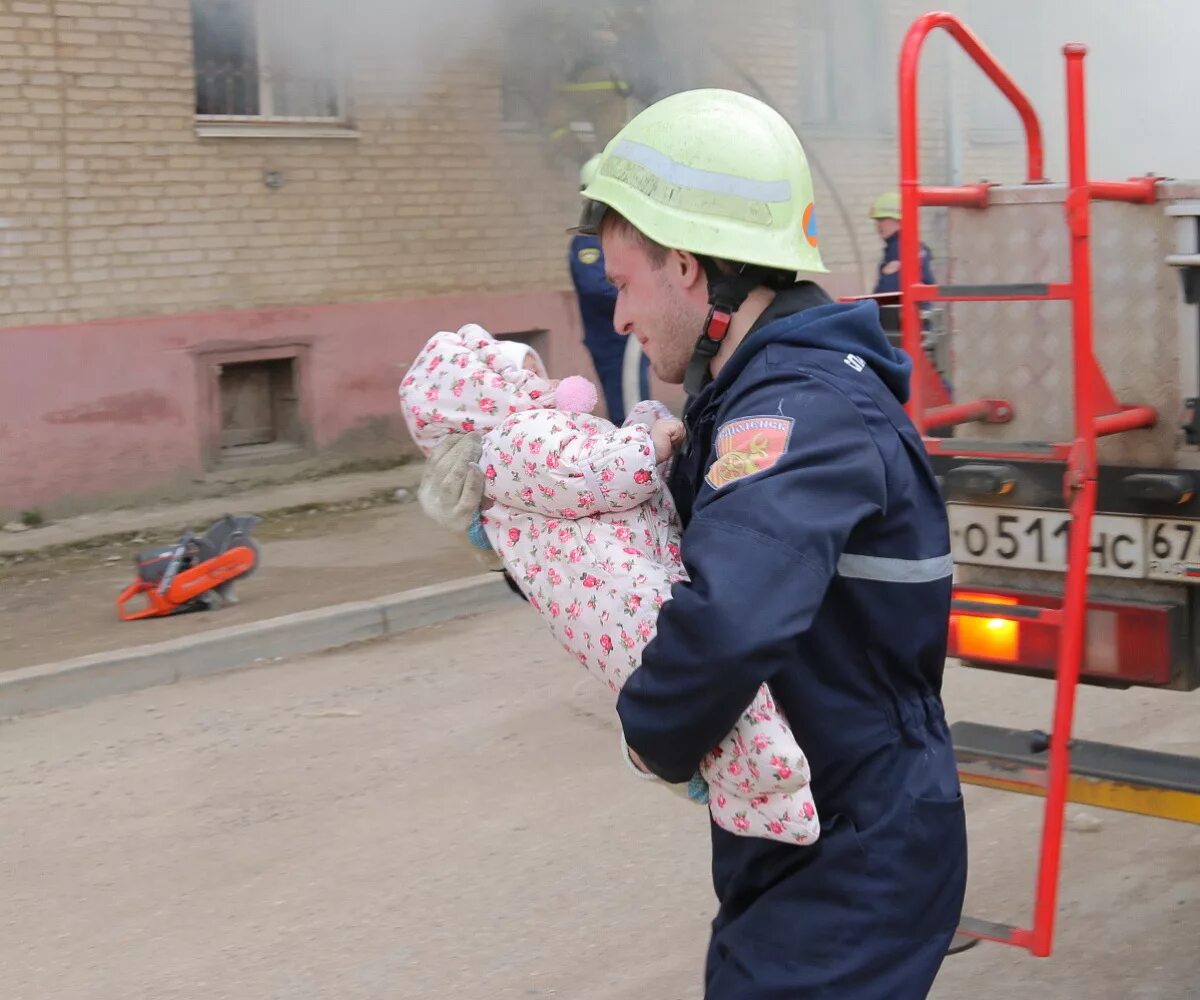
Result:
{"points": [[976, 638]]}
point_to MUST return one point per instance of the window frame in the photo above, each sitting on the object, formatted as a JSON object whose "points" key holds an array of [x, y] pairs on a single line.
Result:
{"points": [[266, 123]]}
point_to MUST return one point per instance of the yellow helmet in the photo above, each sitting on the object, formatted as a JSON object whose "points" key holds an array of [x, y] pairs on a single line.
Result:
{"points": [[715, 173], [886, 206], [588, 171]]}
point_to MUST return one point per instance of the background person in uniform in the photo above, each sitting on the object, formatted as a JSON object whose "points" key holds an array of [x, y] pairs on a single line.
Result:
{"points": [[886, 212], [597, 297]]}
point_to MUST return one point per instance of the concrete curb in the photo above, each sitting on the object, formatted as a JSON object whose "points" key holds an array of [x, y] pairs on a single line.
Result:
{"points": [[50, 686], [101, 526]]}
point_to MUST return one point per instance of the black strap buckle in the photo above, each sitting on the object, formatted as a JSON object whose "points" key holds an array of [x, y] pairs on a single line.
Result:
{"points": [[726, 293], [707, 346]]}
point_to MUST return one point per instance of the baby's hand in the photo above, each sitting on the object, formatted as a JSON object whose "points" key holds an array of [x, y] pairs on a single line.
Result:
{"points": [[667, 435]]}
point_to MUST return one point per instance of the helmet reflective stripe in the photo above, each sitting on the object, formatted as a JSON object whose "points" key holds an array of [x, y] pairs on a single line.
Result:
{"points": [[674, 172], [697, 199]]}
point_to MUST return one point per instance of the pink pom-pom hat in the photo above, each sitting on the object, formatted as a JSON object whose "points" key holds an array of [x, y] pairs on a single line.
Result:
{"points": [[576, 394], [469, 381]]}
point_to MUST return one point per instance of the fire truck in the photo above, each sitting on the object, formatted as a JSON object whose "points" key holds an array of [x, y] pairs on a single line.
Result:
{"points": [[1069, 455]]}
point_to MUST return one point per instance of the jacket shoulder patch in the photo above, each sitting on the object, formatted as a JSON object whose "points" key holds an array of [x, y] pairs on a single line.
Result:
{"points": [[747, 446]]}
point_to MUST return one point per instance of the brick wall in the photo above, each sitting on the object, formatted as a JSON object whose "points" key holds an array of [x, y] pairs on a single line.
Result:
{"points": [[431, 211], [111, 205]]}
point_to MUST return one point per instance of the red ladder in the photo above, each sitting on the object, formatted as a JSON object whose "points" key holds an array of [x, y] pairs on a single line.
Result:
{"points": [[1096, 410]]}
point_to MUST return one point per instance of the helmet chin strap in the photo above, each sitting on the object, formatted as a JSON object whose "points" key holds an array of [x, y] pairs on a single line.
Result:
{"points": [[726, 293]]}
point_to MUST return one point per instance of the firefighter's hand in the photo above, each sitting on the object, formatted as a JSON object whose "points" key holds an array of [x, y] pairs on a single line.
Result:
{"points": [[451, 489]]}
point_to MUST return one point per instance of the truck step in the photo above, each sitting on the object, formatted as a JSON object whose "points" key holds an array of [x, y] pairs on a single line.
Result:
{"points": [[1102, 775], [1018, 292], [986, 930], [1027, 289], [1025, 451]]}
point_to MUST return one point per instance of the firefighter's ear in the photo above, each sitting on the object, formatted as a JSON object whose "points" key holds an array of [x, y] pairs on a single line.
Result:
{"points": [[687, 268]]}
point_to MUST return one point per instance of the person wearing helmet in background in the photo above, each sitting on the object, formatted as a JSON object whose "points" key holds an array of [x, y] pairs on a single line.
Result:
{"points": [[596, 301], [886, 213], [885, 210], [817, 548]]}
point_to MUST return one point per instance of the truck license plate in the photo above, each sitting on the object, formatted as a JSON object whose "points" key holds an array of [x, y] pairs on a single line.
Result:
{"points": [[1122, 545]]}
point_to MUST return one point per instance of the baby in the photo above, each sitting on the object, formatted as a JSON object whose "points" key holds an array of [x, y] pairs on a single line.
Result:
{"points": [[581, 517]]}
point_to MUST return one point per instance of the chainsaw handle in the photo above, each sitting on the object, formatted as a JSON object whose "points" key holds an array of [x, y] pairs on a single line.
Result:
{"points": [[177, 556], [156, 604]]}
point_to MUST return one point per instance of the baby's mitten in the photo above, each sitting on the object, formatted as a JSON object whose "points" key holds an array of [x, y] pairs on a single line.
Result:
{"points": [[647, 413], [695, 790]]}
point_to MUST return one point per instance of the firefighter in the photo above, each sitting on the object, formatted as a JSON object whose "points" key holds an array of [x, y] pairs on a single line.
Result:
{"points": [[596, 300], [817, 550], [591, 105], [886, 212]]}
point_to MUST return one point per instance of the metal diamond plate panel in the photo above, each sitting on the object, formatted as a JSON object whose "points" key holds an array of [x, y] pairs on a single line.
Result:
{"points": [[1022, 351]]}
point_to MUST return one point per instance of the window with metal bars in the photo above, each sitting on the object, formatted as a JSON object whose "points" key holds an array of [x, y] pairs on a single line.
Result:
{"points": [[270, 59]]}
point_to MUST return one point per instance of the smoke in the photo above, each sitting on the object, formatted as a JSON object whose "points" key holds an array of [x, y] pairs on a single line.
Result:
{"points": [[302, 46], [538, 42], [1141, 63], [1140, 68], [401, 52], [416, 39], [285, 57]]}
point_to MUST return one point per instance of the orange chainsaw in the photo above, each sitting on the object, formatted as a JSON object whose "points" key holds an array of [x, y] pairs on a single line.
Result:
{"points": [[196, 573]]}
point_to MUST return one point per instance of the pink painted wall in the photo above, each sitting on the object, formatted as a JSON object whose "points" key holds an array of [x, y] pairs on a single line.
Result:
{"points": [[120, 406]]}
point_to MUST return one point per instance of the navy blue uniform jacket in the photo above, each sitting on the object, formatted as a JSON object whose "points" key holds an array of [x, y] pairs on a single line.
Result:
{"points": [[597, 299], [889, 280], [597, 296], [819, 561]]}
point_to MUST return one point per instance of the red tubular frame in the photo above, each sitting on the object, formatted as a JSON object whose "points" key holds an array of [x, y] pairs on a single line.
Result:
{"points": [[1131, 418], [1081, 481], [912, 196], [1096, 410], [967, 196], [1139, 190], [991, 411]]}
